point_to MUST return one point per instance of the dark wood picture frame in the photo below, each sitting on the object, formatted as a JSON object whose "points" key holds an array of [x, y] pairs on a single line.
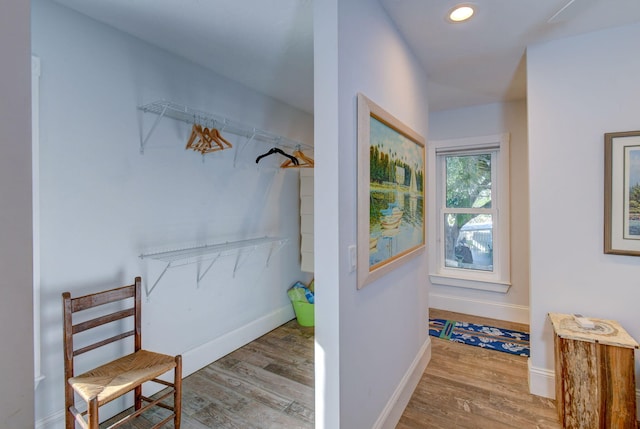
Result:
{"points": [[621, 184]]}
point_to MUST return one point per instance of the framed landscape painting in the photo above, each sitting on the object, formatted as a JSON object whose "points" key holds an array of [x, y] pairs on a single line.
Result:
{"points": [[391, 192], [622, 193]]}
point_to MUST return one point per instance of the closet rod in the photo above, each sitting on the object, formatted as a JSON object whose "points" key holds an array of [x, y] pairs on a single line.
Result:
{"points": [[186, 114]]}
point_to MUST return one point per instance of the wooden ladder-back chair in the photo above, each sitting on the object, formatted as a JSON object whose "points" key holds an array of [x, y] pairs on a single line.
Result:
{"points": [[118, 377]]}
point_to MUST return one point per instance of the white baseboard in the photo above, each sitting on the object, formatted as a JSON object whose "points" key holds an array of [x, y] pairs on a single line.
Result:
{"points": [[476, 307], [203, 355], [392, 412], [53, 421], [542, 381]]}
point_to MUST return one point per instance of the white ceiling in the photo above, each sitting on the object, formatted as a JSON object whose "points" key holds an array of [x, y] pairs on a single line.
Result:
{"points": [[268, 44], [483, 60]]}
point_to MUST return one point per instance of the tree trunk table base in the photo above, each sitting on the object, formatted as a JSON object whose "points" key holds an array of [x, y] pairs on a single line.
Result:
{"points": [[595, 376]]}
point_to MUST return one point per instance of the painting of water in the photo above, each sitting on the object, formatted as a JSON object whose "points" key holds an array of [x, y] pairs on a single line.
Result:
{"points": [[396, 169], [391, 192]]}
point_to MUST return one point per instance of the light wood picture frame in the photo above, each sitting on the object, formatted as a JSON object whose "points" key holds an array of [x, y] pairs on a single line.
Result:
{"points": [[622, 193], [391, 192]]}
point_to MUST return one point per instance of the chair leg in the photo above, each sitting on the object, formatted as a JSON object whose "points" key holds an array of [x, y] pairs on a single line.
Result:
{"points": [[69, 419], [92, 414], [137, 398], [177, 392]]}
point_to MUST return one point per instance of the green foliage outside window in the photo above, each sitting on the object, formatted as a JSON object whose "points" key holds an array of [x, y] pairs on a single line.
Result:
{"points": [[468, 186], [469, 181]]}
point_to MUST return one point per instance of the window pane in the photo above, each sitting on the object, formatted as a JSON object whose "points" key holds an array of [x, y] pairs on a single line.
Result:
{"points": [[468, 181], [468, 241]]}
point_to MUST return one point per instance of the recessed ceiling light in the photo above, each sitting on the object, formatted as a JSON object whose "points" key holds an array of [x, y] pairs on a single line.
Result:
{"points": [[461, 13]]}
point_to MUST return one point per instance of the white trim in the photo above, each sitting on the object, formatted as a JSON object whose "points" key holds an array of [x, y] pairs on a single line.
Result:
{"points": [[392, 412], [53, 421], [465, 144], [638, 404], [203, 355], [444, 280], [476, 307], [500, 278], [542, 381]]}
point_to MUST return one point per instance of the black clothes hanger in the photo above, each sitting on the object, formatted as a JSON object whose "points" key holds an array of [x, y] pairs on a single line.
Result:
{"points": [[277, 150]]}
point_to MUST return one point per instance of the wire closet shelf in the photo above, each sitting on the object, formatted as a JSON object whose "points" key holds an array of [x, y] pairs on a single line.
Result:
{"points": [[189, 115], [210, 253]]}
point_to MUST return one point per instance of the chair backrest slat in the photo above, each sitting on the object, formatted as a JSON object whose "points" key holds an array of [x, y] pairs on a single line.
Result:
{"points": [[103, 342], [89, 324], [96, 299], [110, 314]]}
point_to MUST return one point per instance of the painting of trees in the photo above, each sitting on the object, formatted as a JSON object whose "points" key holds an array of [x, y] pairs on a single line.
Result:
{"points": [[383, 167], [634, 200]]}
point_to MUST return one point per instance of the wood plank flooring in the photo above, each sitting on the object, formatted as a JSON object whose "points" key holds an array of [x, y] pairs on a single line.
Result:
{"points": [[269, 384], [470, 387]]}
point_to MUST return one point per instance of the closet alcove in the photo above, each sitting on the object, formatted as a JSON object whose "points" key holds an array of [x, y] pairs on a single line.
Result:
{"points": [[249, 135], [215, 235]]}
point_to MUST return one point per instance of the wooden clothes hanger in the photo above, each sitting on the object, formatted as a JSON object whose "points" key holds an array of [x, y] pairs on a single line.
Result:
{"points": [[215, 134], [192, 137], [205, 137], [197, 133], [204, 144], [305, 161]]}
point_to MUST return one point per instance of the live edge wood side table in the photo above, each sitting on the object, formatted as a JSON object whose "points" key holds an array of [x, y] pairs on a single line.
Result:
{"points": [[595, 378]]}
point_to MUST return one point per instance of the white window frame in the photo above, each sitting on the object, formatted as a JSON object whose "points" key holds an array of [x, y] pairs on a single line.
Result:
{"points": [[498, 280]]}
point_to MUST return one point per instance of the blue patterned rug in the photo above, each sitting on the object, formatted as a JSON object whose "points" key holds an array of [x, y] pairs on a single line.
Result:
{"points": [[488, 337]]}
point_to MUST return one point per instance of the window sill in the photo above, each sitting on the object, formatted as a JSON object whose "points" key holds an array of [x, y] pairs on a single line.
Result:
{"points": [[489, 286]]}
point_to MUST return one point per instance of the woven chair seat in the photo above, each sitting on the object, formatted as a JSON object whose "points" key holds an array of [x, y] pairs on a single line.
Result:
{"points": [[117, 377]]}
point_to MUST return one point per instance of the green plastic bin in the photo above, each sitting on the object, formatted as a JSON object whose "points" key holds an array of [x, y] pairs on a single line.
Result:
{"points": [[304, 313]]}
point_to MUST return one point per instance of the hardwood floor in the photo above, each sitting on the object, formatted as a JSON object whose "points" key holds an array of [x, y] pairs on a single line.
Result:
{"points": [[470, 387], [265, 384], [269, 384]]}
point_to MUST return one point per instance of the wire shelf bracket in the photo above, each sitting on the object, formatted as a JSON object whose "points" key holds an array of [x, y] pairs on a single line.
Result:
{"points": [[143, 141]]}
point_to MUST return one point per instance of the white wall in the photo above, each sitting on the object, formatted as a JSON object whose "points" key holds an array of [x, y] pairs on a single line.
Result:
{"points": [[369, 340], [103, 203], [16, 308], [579, 88], [490, 119]]}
